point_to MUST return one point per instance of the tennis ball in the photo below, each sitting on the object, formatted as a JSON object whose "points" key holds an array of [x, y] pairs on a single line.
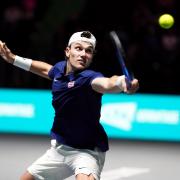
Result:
{"points": [[166, 21]]}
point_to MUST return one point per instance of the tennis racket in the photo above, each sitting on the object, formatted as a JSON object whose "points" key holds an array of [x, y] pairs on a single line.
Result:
{"points": [[121, 56]]}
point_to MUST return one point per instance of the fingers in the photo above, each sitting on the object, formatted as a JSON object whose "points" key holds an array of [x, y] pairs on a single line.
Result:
{"points": [[134, 86], [2, 48], [127, 86], [5, 53], [2, 44], [6, 48]]}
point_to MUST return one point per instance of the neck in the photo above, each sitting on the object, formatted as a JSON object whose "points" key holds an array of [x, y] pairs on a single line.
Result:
{"points": [[69, 68]]}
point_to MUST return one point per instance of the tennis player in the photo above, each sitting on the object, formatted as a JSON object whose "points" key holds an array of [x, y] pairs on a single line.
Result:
{"points": [[79, 142]]}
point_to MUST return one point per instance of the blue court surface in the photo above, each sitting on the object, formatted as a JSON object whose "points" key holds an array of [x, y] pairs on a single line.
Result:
{"points": [[126, 159]]}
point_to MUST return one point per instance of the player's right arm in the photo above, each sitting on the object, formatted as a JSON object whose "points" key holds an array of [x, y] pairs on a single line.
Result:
{"points": [[37, 67], [114, 84]]}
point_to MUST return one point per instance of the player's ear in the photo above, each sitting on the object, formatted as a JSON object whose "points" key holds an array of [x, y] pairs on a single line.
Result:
{"points": [[67, 51]]}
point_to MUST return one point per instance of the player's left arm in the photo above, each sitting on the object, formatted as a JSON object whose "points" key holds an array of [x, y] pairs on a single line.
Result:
{"points": [[35, 66], [114, 84]]}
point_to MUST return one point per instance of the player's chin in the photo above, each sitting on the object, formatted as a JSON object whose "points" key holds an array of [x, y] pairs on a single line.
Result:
{"points": [[82, 66]]}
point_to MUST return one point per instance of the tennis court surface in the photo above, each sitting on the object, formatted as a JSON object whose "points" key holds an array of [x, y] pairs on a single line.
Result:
{"points": [[126, 159]]}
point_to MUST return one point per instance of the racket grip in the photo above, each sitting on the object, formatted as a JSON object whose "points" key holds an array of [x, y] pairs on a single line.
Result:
{"points": [[128, 80]]}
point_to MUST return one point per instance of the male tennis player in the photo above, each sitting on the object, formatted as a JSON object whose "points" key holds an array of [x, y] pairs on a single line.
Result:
{"points": [[79, 142]]}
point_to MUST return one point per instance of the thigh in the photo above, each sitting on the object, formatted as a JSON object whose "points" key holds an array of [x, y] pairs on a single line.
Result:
{"points": [[50, 166], [89, 163]]}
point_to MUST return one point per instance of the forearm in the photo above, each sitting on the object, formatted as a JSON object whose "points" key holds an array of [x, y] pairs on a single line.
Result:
{"points": [[120, 83], [37, 67], [40, 68], [113, 84]]}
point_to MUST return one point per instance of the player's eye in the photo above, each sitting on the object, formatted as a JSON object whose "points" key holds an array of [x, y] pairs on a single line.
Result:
{"points": [[78, 48], [89, 51]]}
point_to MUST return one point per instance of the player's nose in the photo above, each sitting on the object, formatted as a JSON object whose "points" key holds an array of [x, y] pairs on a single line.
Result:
{"points": [[83, 52]]}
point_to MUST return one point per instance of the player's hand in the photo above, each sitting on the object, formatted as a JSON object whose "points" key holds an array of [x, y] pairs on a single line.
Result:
{"points": [[134, 86], [5, 53], [129, 87]]}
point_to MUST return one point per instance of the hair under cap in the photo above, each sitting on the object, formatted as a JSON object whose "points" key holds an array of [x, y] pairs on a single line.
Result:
{"points": [[83, 36]]}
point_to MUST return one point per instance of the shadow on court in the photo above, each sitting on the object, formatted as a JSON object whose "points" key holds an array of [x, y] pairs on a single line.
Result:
{"points": [[126, 159]]}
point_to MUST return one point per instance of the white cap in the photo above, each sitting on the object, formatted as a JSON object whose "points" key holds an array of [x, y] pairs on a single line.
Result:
{"points": [[83, 36]]}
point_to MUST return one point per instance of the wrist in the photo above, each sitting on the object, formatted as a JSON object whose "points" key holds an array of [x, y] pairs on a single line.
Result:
{"points": [[23, 63], [12, 58], [119, 83]]}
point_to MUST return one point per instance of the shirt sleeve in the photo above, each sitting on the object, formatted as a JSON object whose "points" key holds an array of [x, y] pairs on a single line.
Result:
{"points": [[51, 72], [55, 70]]}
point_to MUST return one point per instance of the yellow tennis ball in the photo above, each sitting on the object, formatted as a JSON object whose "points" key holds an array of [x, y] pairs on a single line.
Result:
{"points": [[166, 21]]}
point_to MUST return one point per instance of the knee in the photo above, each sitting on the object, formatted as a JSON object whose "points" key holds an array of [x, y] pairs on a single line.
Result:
{"points": [[82, 176], [27, 176]]}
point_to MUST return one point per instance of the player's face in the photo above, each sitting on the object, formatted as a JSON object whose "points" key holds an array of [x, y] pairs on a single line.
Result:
{"points": [[79, 55]]}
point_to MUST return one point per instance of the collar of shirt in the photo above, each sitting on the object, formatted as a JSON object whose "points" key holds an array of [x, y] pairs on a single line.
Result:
{"points": [[62, 72]]}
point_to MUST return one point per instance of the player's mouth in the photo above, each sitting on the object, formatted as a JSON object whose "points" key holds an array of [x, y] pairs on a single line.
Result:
{"points": [[82, 62]]}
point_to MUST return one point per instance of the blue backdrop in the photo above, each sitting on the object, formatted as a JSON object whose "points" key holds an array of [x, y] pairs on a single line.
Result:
{"points": [[138, 116]]}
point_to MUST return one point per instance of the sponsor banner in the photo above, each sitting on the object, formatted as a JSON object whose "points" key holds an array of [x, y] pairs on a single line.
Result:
{"points": [[138, 116], [25, 111], [141, 116]]}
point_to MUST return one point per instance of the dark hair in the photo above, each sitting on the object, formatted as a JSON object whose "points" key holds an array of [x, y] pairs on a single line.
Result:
{"points": [[86, 34]]}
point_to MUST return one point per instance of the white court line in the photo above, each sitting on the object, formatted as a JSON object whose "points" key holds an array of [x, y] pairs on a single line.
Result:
{"points": [[123, 172]]}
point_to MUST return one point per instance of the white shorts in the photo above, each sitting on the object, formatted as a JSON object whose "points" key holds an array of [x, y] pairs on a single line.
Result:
{"points": [[61, 161]]}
